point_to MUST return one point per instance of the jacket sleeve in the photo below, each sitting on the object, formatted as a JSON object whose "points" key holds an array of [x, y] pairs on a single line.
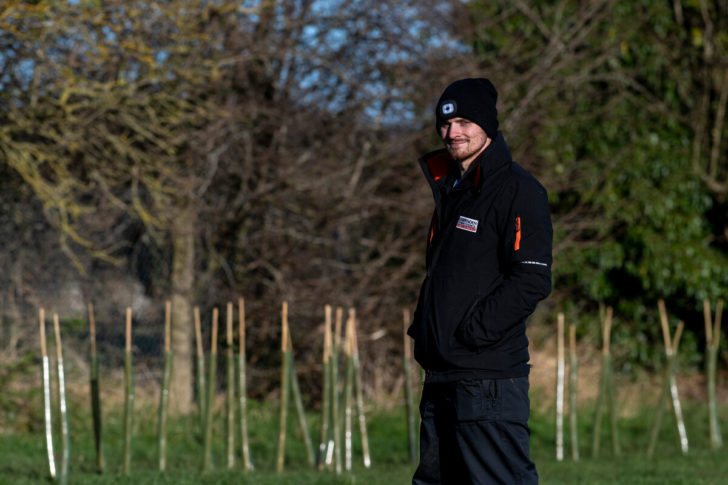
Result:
{"points": [[526, 266]]}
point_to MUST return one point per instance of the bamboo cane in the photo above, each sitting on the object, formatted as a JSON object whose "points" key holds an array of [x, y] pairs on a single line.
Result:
{"points": [[166, 379], [230, 390], [359, 394], [348, 391], [65, 433], [573, 382], [128, 396], [285, 369], [708, 321], [247, 464], [670, 384], [660, 408], [609, 378], [599, 410], [560, 364], [335, 414], [210, 394], [408, 394], [95, 394], [47, 408], [606, 389], [607, 357], [672, 350], [712, 337], [682, 432], [326, 390], [664, 325], [716, 344], [296, 390], [201, 399]]}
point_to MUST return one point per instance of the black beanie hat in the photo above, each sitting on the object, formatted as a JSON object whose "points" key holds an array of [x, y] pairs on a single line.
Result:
{"points": [[473, 99]]}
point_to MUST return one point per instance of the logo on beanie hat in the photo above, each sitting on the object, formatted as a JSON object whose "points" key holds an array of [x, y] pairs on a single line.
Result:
{"points": [[448, 108]]}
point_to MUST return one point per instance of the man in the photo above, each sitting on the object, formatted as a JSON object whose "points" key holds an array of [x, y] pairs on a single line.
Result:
{"points": [[488, 265]]}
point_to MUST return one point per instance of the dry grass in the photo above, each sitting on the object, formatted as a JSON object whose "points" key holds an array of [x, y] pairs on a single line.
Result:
{"points": [[633, 392]]}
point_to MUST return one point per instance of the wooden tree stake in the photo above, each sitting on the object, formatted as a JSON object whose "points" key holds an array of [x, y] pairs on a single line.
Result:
{"points": [[560, 365], [359, 396], [573, 382], [129, 396], [201, 391], [164, 394], [95, 394], [348, 392], [243, 389], [65, 432], [606, 389], [712, 339], [289, 378], [326, 390], [670, 384], [285, 369], [210, 394], [47, 407], [230, 389], [336, 418], [298, 401]]}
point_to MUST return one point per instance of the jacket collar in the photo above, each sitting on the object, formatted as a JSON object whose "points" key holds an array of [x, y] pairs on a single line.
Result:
{"points": [[438, 165]]}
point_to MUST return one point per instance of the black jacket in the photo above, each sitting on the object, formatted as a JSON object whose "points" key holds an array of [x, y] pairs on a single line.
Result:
{"points": [[488, 265]]}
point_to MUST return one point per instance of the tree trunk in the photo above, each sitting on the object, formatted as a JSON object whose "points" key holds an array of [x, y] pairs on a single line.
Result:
{"points": [[14, 312], [10, 337], [182, 278]]}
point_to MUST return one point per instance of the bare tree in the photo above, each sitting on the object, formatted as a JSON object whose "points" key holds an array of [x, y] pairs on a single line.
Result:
{"points": [[264, 150]]}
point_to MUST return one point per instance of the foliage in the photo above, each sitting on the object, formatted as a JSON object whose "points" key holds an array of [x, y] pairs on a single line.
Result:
{"points": [[606, 113]]}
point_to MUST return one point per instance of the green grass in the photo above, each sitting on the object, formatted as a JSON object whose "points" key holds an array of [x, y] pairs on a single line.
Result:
{"points": [[23, 459], [668, 465]]}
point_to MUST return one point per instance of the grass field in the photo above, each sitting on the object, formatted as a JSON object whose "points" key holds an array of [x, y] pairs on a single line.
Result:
{"points": [[23, 459]]}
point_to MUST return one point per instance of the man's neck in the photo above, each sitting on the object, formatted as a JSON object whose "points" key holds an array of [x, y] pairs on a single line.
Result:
{"points": [[464, 167]]}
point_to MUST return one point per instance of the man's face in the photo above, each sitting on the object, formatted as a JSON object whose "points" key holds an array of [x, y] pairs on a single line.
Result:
{"points": [[463, 139]]}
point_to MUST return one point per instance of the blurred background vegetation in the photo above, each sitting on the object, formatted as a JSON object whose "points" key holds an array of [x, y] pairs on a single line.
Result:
{"points": [[202, 151]]}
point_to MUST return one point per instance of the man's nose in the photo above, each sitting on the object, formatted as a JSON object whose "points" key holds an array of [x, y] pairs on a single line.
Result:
{"points": [[452, 131]]}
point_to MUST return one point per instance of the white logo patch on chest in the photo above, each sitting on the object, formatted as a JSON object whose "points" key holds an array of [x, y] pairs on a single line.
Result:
{"points": [[467, 224]]}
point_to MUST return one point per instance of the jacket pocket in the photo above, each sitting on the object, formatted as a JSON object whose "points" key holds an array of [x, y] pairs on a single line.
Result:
{"points": [[463, 332]]}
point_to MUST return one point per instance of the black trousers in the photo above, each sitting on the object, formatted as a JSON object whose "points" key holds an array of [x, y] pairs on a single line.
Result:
{"points": [[475, 432]]}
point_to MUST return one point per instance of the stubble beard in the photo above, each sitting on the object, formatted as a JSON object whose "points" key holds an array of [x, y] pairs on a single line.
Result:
{"points": [[465, 152], [461, 152]]}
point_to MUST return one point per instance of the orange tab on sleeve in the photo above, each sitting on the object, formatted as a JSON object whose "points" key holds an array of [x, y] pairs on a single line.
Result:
{"points": [[517, 244], [433, 227]]}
